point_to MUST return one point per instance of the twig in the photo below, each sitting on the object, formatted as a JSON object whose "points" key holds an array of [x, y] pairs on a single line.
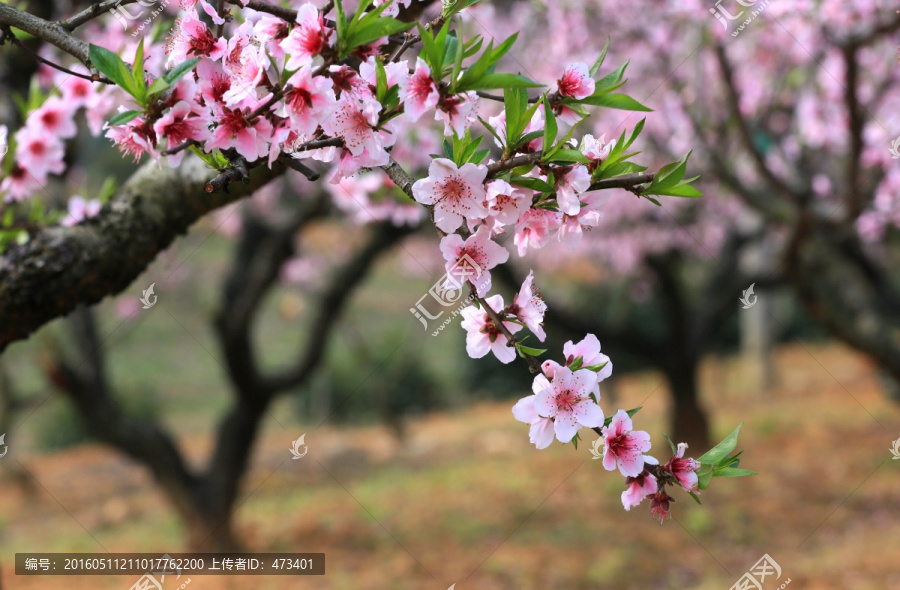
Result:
{"points": [[15, 41], [296, 165], [287, 14], [627, 181], [504, 165], [533, 365], [92, 12], [220, 10]]}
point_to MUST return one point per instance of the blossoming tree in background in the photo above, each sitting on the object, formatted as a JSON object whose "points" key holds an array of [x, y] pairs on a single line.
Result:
{"points": [[254, 91]]}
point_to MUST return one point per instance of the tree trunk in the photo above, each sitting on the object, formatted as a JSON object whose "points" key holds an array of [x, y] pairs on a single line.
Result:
{"points": [[689, 423]]}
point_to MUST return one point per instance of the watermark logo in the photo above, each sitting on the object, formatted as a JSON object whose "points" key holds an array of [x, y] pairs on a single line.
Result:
{"points": [[448, 290], [147, 294], [748, 298], [295, 448], [3, 443], [725, 16], [756, 577], [895, 450], [895, 149], [154, 580], [595, 449], [124, 15]]}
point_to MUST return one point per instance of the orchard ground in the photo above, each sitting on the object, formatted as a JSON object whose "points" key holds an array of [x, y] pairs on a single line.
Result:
{"points": [[466, 490]]}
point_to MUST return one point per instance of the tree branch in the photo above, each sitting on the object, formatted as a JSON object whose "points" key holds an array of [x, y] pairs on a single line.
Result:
{"points": [[62, 267], [50, 32]]}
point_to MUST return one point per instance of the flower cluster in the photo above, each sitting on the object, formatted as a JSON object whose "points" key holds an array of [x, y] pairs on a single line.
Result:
{"points": [[305, 86]]}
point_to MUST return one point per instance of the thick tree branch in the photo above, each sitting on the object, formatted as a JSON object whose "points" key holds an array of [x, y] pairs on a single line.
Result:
{"points": [[62, 267], [331, 302], [50, 32], [780, 185]]}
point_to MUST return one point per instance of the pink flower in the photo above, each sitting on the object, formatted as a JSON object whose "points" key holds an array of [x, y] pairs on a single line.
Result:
{"points": [[638, 488], [566, 399], [207, 8], [134, 137], [307, 39], [79, 210], [532, 229], [56, 117], [576, 81], [596, 149], [507, 203], [355, 121], [573, 226], [624, 447], [310, 101], [541, 432], [684, 470], [471, 260], [75, 91], [529, 308], [589, 351], [396, 74], [457, 112], [483, 335], [659, 505], [569, 186], [18, 185], [234, 130], [247, 71], [192, 39], [39, 152], [177, 126], [271, 30], [456, 193], [421, 92]]}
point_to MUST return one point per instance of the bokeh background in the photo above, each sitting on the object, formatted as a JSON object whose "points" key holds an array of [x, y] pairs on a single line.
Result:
{"points": [[416, 475]]}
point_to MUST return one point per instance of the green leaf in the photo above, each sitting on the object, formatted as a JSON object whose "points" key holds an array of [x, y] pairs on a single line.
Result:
{"points": [[137, 70], [615, 101], [731, 472], [576, 364], [531, 351], [610, 81], [111, 65], [695, 497], [494, 81], [340, 21], [671, 444], [158, 86], [550, 126], [723, 449], [596, 67], [704, 476], [598, 367], [679, 190], [374, 30], [535, 184], [124, 117], [491, 129], [380, 81], [569, 156], [178, 72]]}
